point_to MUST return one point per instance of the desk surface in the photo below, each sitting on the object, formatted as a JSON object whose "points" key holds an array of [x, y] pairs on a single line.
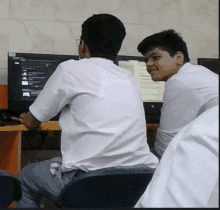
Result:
{"points": [[49, 126], [52, 126]]}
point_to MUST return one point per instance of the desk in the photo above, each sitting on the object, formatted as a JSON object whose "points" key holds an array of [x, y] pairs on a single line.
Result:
{"points": [[10, 144]]}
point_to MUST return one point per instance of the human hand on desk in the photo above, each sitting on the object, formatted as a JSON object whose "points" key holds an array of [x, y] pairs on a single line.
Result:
{"points": [[28, 120]]}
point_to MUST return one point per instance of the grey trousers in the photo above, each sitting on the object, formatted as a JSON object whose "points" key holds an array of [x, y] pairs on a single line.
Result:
{"points": [[39, 183], [156, 154]]}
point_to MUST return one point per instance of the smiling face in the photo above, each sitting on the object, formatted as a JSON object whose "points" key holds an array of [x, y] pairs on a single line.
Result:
{"points": [[161, 66]]}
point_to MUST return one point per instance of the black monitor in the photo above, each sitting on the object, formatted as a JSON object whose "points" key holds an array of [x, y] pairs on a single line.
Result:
{"points": [[212, 64], [27, 75]]}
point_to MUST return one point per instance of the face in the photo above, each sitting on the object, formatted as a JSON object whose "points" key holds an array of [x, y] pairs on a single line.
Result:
{"points": [[161, 66]]}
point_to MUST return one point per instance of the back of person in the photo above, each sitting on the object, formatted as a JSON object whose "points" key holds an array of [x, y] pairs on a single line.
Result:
{"points": [[188, 173], [106, 115], [102, 115]]}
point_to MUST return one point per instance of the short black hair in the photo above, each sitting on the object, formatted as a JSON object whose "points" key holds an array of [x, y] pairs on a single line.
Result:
{"points": [[167, 40], [103, 34]]}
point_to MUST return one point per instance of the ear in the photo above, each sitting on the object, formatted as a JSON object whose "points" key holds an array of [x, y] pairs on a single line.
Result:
{"points": [[84, 50], [179, 58], [84, 47]]}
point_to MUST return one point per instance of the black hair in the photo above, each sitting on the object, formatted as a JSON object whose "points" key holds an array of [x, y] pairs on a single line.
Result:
{"points": [[103, 34], [168, 40]]}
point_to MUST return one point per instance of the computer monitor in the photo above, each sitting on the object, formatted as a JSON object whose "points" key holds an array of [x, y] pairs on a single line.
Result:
{"points": [[212, 64], [27, 75]]}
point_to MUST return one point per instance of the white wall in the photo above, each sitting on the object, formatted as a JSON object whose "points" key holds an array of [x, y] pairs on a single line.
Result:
{"points": [[51, 26]]}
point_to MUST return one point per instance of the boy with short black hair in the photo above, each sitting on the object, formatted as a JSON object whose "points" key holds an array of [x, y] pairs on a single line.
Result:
{"points": [[190, 89], [102, 119]]}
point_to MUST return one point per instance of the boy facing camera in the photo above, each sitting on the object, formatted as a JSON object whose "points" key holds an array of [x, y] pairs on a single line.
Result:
{"points": [[190, 89], [102, 115]]}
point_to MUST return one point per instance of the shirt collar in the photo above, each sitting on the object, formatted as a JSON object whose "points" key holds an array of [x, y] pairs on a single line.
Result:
{"points": [[185, 66], [102, 60], [182, 68]]}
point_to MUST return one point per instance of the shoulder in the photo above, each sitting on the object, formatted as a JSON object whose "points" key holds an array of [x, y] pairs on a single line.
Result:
{"points": [[194, 72], [208, 119], [176, 85], [68, 64], [192, 76], [74, 66], [204, 130]]}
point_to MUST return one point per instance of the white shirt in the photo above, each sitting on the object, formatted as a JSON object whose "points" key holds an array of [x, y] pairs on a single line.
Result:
{"points": [[102, 119], [188, 173], [190, 92]]}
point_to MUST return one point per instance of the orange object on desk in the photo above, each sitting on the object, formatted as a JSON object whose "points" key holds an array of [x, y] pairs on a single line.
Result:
{"points": [[3, 97]]}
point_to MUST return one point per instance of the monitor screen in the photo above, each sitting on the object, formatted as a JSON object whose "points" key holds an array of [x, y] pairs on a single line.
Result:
{"points": [[27, 75]]}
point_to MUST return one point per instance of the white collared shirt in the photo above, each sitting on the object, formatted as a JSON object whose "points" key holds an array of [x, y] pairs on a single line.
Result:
{"points": [[102, 119], [190, 92], [188, 173]]}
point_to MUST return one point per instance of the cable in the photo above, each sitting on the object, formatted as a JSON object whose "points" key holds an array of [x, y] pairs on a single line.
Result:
{"points": [[42, 140], [25, 152]]}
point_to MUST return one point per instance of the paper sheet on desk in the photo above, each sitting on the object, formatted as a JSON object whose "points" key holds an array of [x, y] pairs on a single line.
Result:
{"points": [[151, 91]]}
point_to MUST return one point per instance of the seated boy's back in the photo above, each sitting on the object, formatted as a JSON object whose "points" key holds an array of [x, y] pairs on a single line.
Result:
{"points": [[102, 118], [103, 122]]}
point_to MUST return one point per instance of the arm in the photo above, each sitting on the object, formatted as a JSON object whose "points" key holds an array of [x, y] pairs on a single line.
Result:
{"points": [[49, 102], [54, 96], [181, 106]]}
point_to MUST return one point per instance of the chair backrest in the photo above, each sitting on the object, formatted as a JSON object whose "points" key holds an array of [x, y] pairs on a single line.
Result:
{"points": [[107, 188], [10, 189]]}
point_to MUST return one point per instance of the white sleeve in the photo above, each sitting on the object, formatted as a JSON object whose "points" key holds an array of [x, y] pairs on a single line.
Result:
{"points": [[181, 106], [53, 97]]}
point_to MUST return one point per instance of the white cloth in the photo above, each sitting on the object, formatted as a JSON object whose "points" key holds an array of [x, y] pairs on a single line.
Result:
{"points": [[188, 173], [102, 119], [190, 92]]}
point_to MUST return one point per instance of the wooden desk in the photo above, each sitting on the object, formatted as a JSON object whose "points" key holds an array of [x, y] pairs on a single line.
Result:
{"points": [[3, 97], [10, 144]]}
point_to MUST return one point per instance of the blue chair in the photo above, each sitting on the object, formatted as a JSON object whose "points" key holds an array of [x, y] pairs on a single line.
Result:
{"points": [[106, 188], [10, 189]]}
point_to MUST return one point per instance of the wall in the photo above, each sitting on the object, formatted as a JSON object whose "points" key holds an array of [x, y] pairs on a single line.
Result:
{"points": [[51, 26]]}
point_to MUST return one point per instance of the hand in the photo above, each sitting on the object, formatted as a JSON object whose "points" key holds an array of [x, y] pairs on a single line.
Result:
{"points": [[28, 120]]}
